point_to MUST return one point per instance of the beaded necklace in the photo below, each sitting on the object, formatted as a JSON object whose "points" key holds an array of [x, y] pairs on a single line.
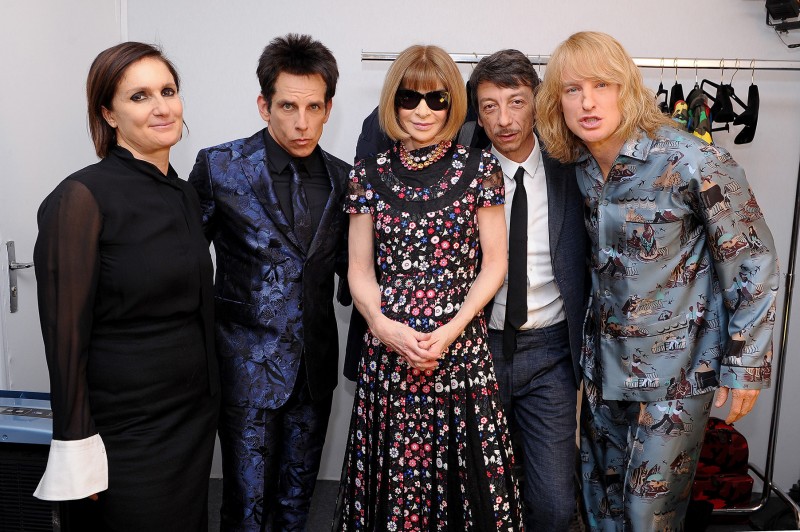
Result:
{"points": [[413, 162]]}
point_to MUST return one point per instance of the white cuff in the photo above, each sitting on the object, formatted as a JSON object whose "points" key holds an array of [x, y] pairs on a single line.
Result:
{"points": [[75, 470]]}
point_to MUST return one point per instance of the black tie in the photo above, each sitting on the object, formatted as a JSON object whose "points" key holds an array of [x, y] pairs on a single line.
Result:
{"points": [[302, 216], [517, 293]]}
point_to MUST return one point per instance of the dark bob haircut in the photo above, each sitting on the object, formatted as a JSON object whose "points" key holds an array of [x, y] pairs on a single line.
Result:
{"points": [[506, 68], [299, 55], [106, 71]]}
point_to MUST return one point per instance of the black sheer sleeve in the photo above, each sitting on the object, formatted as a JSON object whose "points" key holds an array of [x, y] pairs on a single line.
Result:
{"points": [[67, 262]]}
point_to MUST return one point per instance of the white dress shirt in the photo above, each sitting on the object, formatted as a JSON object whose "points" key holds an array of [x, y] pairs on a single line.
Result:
{"points": [[545, 306]]}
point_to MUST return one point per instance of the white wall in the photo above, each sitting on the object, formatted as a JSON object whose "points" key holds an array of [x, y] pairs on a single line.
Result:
{"points": [[216, 45], [45, 51], [216, 49]]}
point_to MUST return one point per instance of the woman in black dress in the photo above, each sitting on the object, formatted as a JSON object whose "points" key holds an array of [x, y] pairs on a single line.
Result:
{"points": [[429, 447], [124, 278]]}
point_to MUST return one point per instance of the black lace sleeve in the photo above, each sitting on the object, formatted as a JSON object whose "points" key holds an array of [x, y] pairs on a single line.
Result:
{"points": [[66, 256]]}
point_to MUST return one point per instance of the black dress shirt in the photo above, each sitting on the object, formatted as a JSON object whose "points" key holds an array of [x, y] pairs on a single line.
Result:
{"points": [[313, 174]]}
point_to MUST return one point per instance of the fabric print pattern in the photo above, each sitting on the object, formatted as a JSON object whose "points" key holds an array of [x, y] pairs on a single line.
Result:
{"points": [[653, 473], [426, 448], [683, 279]]}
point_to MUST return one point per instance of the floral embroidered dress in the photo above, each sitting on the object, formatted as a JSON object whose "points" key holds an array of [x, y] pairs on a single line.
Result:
{"points": [[427, 450]]}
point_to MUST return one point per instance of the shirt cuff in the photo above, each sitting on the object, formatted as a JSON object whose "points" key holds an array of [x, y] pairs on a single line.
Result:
{"points": [[747, 378], [75, 470]]}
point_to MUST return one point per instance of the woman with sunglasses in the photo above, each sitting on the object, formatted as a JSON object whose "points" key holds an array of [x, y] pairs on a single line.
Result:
{"points": [[429, 446]]}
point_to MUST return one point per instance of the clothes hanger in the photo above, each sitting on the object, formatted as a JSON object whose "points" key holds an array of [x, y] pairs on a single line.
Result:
{"points": [[696, 93], [699, 115], [750, 115], [663, 106], [676, 92], [722, 110]]}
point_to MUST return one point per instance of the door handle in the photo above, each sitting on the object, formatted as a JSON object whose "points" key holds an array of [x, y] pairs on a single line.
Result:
{"points": [[13, 266]]}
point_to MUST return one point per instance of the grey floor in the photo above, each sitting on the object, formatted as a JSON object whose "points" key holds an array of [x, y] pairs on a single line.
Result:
{"points": [[324, 501]]}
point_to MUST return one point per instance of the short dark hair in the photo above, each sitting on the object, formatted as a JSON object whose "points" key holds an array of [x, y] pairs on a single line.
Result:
{"points": [[299, 55], [506, 68], [106, 71]]}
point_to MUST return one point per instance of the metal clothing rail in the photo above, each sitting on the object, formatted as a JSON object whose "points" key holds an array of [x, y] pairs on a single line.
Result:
{"points": [[644, 62], [712, 64]]}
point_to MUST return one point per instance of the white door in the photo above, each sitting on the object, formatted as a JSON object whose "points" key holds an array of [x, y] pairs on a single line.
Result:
{"points": [[45, 52], [3, 298]]}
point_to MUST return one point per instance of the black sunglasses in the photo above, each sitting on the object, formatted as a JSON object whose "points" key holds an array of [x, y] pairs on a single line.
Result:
{"points": [[408, 99]]}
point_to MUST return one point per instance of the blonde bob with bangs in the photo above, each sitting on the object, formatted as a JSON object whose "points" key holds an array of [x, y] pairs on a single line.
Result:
{"points": [[423, 68], [593, 56]]}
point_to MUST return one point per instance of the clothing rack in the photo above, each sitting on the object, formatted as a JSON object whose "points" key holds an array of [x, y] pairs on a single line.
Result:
{"points": [[644, 62], [766, 476]]}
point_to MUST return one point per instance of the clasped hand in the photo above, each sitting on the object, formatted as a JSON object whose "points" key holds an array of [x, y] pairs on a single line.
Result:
{"points": [[421, 350]]}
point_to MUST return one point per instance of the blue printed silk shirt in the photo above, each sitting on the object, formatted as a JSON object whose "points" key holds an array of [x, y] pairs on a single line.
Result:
{"points": [[684, 272]]}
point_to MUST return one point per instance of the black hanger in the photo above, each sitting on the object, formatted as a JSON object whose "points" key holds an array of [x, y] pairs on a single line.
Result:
{"points": [[749, 117], [676, 92], [722, 110], [695, 102], [663, 106]]}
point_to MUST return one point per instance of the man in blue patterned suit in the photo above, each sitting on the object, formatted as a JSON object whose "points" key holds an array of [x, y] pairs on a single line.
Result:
{"points": [[536, 358], [272, 206]]}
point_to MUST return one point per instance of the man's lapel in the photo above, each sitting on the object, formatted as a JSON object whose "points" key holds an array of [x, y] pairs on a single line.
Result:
{"points": [[555, 177], [332, 207], [254, 167]]}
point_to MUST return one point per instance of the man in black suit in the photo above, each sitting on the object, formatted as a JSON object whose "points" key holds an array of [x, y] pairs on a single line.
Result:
{"points": [[535, 319]]}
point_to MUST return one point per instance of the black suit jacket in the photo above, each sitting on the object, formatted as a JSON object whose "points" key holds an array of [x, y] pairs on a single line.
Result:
{"points": [[568, 249]]}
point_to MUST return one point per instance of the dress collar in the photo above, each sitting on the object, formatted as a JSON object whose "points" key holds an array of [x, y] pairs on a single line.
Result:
{"points": [[145, 167]]}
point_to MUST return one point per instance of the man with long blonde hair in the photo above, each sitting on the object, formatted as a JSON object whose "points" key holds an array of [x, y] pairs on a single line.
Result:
{"points": [[595, 111]]}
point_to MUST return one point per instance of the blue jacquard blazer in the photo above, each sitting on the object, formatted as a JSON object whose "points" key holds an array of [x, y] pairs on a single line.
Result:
{"points": [[273, 302]]}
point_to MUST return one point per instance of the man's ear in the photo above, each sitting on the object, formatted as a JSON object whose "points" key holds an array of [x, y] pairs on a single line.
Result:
{"points": [[263, 108], [328, 107]]}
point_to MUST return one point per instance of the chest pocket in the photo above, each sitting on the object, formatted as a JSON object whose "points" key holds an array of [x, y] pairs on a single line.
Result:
{"points": [[657, 235]]}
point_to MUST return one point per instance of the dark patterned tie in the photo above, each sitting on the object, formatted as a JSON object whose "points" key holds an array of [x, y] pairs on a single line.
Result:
{"points": [[517, 294], [302, 216]]}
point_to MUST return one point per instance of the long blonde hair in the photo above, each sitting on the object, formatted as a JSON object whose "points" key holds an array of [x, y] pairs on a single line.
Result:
{"points": [[594, 56]]}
